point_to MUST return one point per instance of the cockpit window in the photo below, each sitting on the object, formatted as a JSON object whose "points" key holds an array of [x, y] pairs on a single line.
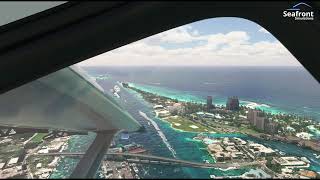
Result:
{"points": [[217, 98]]}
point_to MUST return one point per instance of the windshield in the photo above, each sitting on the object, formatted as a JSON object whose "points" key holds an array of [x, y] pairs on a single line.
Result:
{"points": [[13, 11]]}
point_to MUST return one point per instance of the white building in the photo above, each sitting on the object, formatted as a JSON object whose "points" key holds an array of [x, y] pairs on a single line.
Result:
{"points": [[158, 106], [260, 150], [304, 135], [55, 146], [43, 151], [176, 108], [2, 165], [39, 165], [163, 113], [290, 129], [239, 141], [13, 161], [291, 162]]}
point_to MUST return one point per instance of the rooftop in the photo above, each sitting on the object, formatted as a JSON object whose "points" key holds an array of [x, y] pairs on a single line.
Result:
{"points": [[290, 161], [13, 161], [2, 165]]}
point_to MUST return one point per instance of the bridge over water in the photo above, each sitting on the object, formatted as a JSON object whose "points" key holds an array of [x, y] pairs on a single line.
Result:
{"points": [[150, 159]]}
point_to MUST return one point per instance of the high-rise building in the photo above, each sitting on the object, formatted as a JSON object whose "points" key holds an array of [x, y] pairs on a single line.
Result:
{"points": [[257, 119], [252, 113], [271, 127], [233, 103], [209, 103], [260, 122]]}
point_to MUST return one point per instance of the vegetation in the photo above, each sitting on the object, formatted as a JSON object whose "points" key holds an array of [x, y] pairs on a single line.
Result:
{"points": [[232, 121], [273, 166], [247, 130], [33, 161], [38, 138], [194, 107], [10, 151]]}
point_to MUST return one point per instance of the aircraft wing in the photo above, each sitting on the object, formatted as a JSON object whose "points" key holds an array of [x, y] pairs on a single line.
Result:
{"points": [[65, 100]]}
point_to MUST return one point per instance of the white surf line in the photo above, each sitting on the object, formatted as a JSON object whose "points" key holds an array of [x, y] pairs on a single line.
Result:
{"points": [[163, 137]]}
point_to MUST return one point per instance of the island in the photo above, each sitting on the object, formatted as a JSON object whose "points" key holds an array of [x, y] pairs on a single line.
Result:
{"points": [[234, 118]]}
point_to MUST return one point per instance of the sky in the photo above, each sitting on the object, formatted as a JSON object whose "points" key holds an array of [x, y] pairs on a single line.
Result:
{"points": [[210, 42]]}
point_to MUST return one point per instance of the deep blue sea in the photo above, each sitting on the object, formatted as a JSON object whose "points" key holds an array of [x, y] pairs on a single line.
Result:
{"points": [[287, 89], [273, 89]]}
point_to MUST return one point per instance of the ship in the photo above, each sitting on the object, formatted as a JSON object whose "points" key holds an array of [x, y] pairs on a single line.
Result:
{"points": [[134, 148]]}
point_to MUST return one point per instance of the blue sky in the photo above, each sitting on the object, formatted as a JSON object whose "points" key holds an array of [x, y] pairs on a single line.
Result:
{"points": [[211, 42], [225, 25]]}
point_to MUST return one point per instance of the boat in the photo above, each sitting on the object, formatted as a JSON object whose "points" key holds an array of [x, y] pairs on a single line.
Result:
{"points": [[134, 148], [316, 156], [116, 88], [138, 150], [135, 169], [304, 159], [282, 153], [212, 176], [115, 91], [136, 176]]}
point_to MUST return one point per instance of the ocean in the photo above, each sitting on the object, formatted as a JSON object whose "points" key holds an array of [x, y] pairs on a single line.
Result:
{"points": [[273, 89]]}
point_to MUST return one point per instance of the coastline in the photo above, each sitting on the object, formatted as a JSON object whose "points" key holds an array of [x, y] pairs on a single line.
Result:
{"points": [[185, 97], [226, 129]]}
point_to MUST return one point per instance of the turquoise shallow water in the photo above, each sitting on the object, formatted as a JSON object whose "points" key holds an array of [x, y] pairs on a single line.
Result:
{"points": [[186, 96], [182, 142]]}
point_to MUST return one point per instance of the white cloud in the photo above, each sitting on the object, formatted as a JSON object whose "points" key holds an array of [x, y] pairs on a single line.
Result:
{"points": [[229, 49], [263, 30], [181, 34]]}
